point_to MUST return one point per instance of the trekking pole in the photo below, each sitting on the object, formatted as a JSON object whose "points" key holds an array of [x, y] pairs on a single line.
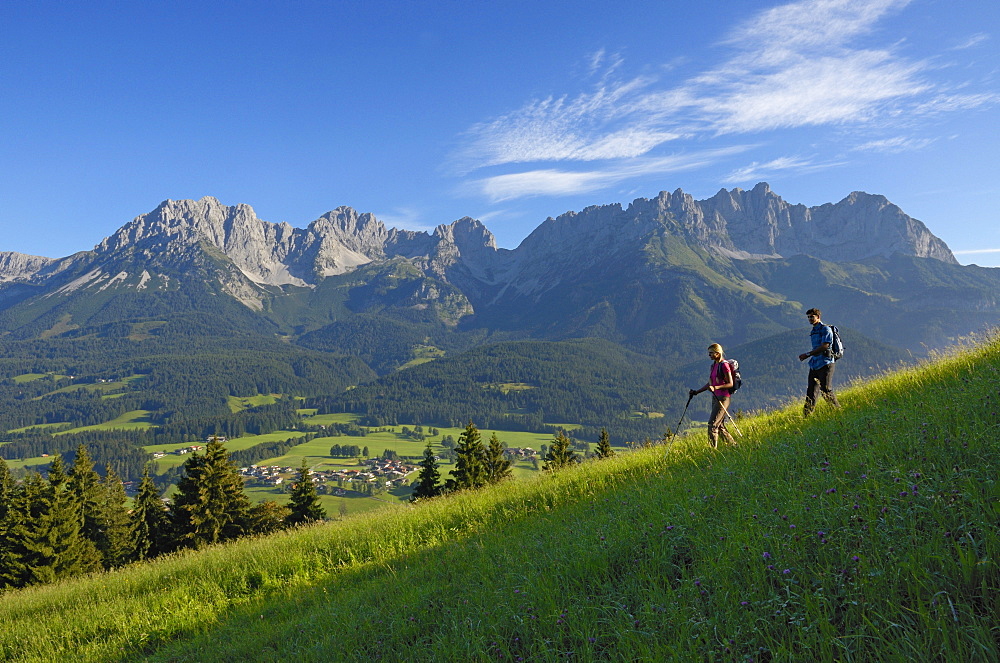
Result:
{"points": [[678, 428], [726, 411]]}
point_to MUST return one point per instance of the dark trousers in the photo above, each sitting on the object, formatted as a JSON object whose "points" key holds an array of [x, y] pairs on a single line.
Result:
{"points": [[820, 380]]}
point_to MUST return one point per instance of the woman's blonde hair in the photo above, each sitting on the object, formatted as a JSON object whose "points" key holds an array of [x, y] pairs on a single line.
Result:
{"points": [[715, 347]]}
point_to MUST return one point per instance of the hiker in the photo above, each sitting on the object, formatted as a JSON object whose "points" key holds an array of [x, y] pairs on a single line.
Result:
{"points": [[720, 383], [821, 363]]}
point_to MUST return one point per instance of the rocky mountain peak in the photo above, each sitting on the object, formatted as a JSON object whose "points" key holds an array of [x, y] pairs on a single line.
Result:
{"points": [[21, 266]]}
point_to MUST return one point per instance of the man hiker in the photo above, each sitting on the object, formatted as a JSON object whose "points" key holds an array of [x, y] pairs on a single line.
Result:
{"points": [[720, 383], [820, 363]]}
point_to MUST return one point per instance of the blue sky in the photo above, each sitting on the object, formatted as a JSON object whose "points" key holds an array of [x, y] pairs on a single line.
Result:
{"points": [[510, 112]]}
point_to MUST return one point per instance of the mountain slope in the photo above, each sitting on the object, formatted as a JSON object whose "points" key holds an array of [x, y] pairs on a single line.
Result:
{"points": [[866, 535]]}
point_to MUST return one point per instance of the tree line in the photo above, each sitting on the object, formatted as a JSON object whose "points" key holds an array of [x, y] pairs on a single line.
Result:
{"points": [[479, 464], [73, 521]]}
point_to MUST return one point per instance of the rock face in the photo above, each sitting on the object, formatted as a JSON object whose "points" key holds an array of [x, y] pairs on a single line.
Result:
{"points": [[861, 226], [253, 255], [20, 267]]}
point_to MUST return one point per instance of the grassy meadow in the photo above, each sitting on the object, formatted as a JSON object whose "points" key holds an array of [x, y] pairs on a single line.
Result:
{"points": [[867, 533]]}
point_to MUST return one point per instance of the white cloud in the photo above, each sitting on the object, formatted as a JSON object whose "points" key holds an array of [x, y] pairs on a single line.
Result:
{"points": [[950, 103], [973, 251], [791, 66], [894, 145], [756, 172], [404, 218], [973, 41], [552, 181]]}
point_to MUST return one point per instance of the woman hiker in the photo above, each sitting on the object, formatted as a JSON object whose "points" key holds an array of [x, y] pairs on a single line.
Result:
{"points": [[720, 383]]}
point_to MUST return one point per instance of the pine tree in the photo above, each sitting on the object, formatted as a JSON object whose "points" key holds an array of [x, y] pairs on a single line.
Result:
{"points": [[210, 505], [604, 449], [151, 528], [304, 502], [498, 466], [92, 497], [6, 486], [13, 522], [22, 507], [470, 461], [559, 454], [427, 481], [44, 539], [116, 543]]}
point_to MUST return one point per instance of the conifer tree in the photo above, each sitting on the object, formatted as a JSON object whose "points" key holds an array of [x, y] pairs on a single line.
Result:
{"points": [[14, 513], [6, 494], [560, 454], [46, 541], [470, 461], [91, 495], [498, 466], [427, 480], [21, 506], [604, 449], [304, 502], [210, 505], [151, 527], [6, 486], [116, 541]]}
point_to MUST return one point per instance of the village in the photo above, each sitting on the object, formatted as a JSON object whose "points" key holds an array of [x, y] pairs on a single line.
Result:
{"points": [[381, 472]]}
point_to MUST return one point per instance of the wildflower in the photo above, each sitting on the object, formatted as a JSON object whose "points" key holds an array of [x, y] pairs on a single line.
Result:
{"points": [[855, 558], [786, 572], [792, 526], [767, 555], [744, 602]]}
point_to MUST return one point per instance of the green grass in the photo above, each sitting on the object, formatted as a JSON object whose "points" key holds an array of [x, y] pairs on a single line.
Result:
{"points": [[133, 420], [356, 503], [106, 387], [42, 427], [31, 377], [240, 403], [864, 534], [314, 419]]}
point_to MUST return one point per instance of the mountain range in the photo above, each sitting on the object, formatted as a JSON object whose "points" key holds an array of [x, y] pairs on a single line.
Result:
{"points": [[647, 285]]}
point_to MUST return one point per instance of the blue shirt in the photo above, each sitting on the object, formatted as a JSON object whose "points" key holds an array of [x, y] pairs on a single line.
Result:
{"points": [[819, 335]]}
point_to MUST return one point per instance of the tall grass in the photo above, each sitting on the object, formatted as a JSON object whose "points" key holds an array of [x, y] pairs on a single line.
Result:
{"points": [[863, 534]]}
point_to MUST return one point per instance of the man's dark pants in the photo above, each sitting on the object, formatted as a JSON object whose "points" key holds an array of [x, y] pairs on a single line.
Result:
{"points": [[820, 380]]}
